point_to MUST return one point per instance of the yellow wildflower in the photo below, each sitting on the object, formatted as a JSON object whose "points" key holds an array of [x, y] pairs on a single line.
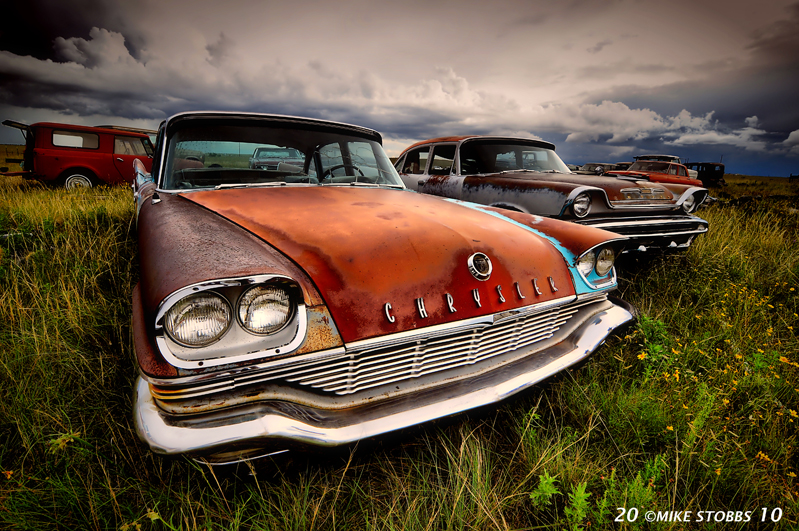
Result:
{"points": [[642, 355], [670, 428], [791, 474], [718, 471]]}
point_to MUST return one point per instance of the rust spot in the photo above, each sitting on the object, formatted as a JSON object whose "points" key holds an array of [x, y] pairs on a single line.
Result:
{"points": [[321, 334]]}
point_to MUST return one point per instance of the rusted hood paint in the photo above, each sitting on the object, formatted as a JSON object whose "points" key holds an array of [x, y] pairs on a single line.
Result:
{"points": [[180, 245], [562, 183], [657, 177], [364, 248]]}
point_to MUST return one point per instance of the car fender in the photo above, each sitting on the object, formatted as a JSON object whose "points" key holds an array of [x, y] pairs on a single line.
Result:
{"points": [[702, 194], [593, 191]]}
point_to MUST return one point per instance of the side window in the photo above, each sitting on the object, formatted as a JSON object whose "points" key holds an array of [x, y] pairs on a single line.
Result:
{"points": [[76, 139], [399, 164], [416, 161], [148, 146], [125, 145], [672, 170], [682, 171], [443, 157]]}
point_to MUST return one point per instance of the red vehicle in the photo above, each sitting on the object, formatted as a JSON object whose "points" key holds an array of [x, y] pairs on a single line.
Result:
{"points": [[76, 156], [658, 172]]}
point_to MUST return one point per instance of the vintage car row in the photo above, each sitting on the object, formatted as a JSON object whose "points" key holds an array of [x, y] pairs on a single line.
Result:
{"points": [[599, 168], [320, 303], [659, 172], [710, 173], [527, 176], [76, 156], [665, 158]]}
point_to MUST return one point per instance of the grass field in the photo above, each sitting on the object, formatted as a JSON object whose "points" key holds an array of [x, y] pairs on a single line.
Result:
{"points": [[694, 409]]}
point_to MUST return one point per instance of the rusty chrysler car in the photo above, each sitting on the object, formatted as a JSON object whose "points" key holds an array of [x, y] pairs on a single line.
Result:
{"points": [[527, 175], [322, 303]]}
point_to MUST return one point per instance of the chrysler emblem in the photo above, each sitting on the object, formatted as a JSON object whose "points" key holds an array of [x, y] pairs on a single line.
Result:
{"points": [[479, 266]]}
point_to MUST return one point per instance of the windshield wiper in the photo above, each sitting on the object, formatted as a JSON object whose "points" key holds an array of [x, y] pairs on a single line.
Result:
{"points": [[519, 170], [362, 183], [249, 185]]}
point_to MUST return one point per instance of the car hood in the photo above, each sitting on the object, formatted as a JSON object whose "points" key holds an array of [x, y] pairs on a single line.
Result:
{"points": [[610, 184], [385, 261]]}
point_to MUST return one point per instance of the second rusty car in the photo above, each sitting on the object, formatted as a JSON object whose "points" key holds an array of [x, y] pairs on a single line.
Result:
{"points": [[322, 303], [527, 175]]}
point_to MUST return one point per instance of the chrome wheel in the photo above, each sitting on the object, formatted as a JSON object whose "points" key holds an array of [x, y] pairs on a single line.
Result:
{"points": [[77, 180]]}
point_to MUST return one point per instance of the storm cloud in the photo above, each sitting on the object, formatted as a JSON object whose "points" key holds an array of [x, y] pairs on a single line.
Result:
{"points": [[601, 79]]}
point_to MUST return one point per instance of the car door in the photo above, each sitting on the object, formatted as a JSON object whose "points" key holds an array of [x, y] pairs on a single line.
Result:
{"points": [[126, 150], [412, 167], [440, 178], [27, 133]]}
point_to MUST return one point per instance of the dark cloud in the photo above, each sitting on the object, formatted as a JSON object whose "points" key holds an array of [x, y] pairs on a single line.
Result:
{"points": [[219, 50], [418, 70], [32, 27], [599, 46], [764, 84]]}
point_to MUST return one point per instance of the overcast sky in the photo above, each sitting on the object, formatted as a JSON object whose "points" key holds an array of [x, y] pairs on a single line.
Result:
{"points": [[603, 80]]}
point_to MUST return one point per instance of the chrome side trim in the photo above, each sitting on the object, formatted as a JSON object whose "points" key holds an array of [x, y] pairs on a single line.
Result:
{"points": [[209, 378], [277, 423]]}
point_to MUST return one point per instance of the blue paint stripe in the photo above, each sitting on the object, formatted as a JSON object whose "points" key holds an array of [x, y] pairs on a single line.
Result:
{"points": [[580, 285]]}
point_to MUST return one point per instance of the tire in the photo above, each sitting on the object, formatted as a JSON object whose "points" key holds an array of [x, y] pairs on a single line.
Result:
{"points": [[73, 181]]}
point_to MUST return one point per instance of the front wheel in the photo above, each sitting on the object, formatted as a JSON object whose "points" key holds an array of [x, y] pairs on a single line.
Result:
{"points": [[77, 180]]}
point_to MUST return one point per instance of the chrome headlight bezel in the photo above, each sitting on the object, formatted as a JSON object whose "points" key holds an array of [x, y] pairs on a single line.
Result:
{"points": [[236, 344], [689, 205], [593, 278], [581, 205]]}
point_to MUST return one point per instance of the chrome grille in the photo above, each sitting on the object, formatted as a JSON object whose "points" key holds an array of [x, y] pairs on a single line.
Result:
{"points": [[653, 227], [362, 369]]}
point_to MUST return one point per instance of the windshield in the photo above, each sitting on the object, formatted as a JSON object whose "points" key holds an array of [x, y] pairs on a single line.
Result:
{"points": [[493, 156], [645, 165], [220, 156]]}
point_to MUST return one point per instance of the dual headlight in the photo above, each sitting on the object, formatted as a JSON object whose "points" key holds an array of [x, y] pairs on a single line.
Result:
{"points": [[601, 262], [202, 318]]}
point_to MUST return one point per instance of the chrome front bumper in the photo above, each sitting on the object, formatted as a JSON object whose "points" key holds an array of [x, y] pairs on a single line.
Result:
{"points": [[662, 232], [279, 424]]}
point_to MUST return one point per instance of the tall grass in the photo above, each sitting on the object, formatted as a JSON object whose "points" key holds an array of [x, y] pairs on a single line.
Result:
{"points": [[695, 408]]}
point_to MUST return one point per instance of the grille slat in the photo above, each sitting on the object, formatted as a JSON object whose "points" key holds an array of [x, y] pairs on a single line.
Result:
{"points": [[365, 369], [393, 364]]}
